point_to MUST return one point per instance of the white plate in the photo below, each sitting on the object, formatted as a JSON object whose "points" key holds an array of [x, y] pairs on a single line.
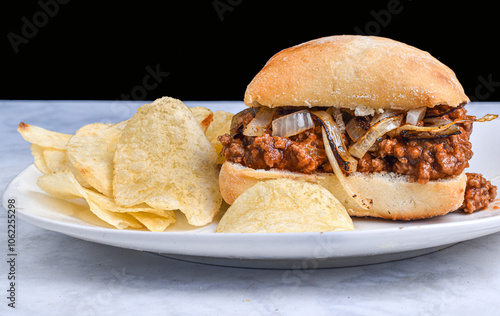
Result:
{"points": [[373, 240]]}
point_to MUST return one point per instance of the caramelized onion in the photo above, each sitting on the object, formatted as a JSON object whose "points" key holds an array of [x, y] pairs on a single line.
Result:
{"points": [[363, 202], [236, 123], [387, 113], [450, 130], [436, 122], [292, 124], [365, 142], [486, 118], [438, 128], [354, 129], [335, 141], [260, 122], [337, 116]]}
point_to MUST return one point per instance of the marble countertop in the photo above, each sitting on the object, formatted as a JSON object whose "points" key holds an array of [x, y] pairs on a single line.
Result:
{"points": [[61, 275]]}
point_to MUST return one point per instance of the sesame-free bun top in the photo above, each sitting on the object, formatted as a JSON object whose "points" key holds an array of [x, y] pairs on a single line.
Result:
{"points": [[350, 71]]}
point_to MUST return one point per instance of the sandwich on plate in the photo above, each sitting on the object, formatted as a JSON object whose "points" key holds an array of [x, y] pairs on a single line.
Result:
{"points": [[380, 124]]}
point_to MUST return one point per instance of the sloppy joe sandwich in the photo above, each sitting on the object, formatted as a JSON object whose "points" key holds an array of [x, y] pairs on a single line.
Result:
{"points": [[380, 124]]}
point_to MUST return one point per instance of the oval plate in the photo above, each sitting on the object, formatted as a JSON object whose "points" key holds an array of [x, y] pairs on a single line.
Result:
{"points": [[373, 241]]}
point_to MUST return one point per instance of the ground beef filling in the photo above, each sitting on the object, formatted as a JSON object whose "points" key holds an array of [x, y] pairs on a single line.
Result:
{"points": [[421, 160], [478, 193], [303, 153]]}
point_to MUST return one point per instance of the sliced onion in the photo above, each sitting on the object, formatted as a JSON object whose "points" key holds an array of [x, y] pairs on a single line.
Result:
{"points": [[413, 116], [363, 202], [354, 129], [363, 144], [336, 141], [260, 122], [436, 124], [438, 133], [236, 120], [375, 144], [387, 113], [486, 118], [438, 128], [292, 124], [337, 116]]}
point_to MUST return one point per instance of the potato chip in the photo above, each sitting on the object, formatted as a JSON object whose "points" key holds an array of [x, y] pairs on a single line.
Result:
{"points": [[165, 160], [118, 220], [64, 186], [39, 159], [91, 150], [109, 204], [57, 161], [153, 219], [153, 222], [203, 116], [48, 150], [220, 125], [285, 205], [43, 137]]}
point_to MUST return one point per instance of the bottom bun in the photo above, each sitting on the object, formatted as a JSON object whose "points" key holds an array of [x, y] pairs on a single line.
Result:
{"points": [[393, 196]]}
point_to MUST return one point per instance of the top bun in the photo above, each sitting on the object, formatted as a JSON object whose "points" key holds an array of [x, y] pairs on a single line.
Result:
{"points": [[351, 71]]}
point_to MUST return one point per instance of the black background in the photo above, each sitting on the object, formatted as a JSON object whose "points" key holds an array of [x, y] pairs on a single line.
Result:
{"points": [[212, 49]]}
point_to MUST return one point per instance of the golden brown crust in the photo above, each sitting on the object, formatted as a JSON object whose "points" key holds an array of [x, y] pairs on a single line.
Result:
{"points": [[393, 196], [349, 71]]}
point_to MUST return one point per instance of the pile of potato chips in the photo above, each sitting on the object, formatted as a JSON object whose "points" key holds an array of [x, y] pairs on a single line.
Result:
{"points": [[134, 174], [137, 173]]}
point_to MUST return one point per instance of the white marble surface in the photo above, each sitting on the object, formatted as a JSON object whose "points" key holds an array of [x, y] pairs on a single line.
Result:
{"points": [[60, 275]]}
